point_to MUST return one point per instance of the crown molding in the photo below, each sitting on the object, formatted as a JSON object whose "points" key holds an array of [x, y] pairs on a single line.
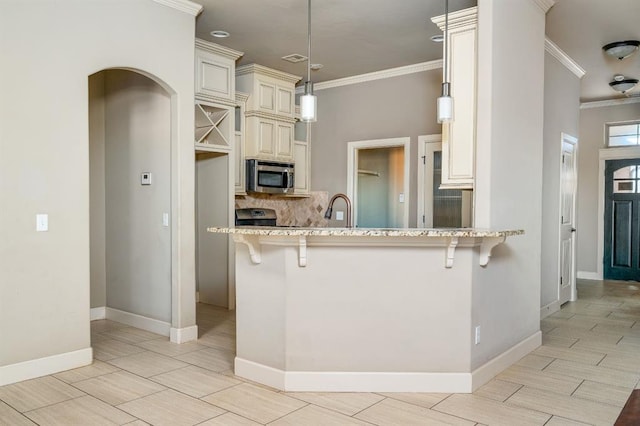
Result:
{"points": [[376, 75], [218, 49], [610, 102], [564, 59], [269, 116], [241, 96], [270, 72], [545, 5], [185, 6], [459, 18]]}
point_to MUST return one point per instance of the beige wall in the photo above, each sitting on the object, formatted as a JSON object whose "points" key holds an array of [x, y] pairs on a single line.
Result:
{"points": [[389, 108], [592, 128], [561, 114], [508, 195], [44, 166], [138, 246]]}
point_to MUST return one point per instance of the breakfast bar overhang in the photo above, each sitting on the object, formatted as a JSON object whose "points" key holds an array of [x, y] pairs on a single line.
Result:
{"points": [[341, 309]]}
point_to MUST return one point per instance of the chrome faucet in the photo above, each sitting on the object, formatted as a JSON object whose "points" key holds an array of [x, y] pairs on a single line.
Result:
{"points": [[329, 211]]}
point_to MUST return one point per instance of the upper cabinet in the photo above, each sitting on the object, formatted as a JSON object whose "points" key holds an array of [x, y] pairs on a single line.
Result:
{"points": [[215, 72], [215, 97], [270, 111], [459, 136]]}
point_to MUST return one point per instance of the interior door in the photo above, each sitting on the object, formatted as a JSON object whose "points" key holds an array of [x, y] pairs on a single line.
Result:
{"points": [[567, 221], [622, 199]]}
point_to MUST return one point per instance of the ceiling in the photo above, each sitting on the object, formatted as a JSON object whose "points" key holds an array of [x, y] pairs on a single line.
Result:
{"points": [[352, 37]]}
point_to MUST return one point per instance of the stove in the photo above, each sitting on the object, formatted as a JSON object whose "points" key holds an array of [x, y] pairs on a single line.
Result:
{"points": [[255, 217]]}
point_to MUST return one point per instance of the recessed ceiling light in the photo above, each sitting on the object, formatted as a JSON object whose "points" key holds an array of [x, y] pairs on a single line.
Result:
{"points": [[438, 38], [220, 34], [316, 67]]}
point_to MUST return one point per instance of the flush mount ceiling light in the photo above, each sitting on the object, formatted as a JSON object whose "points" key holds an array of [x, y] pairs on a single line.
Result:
{"points": [[308, 101], [316, 67], [623, 84], [220, 34], [621, 49], [438, 38]]}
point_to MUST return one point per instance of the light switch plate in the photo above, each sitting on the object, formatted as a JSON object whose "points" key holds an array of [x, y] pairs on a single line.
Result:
{"points": [[42, 222], [339, 215], [165, 219]]}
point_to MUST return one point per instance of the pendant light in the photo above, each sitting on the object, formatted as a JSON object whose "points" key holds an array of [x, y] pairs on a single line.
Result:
{"points": [[445, 101], [308, 101]]}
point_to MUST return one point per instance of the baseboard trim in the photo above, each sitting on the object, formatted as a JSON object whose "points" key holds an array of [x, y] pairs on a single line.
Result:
{"points": [[493, 367], [138, 321], [549, 309], [99, 313], [31, 369], [183, 335], [341, 381], [588, 275]]}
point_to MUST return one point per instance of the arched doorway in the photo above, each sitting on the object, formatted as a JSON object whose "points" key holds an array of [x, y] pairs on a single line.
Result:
{"points": [[130, 199]]}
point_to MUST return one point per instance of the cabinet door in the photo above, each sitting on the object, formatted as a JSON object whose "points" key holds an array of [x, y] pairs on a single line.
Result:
{"points": [[285, 141], [266, 137], [214, 76], [301, 158], [266, 96], [285, 101], [240, 166]]}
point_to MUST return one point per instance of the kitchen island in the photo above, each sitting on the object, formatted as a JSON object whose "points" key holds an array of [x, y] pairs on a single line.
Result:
{"points": [[341, 309]]}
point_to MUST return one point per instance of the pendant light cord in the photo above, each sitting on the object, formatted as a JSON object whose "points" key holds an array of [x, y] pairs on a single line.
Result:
{"points": [[446, 41], [309, 42]]}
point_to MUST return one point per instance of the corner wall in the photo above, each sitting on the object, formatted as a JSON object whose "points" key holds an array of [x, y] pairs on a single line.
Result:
{"points": [[44, 163], [561, 115], [506, 293]]}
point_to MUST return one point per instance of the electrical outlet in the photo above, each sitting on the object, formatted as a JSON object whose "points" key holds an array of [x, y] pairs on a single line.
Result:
{"points": [[477, 334], [339, 215], [401, 198], [165, 219]]}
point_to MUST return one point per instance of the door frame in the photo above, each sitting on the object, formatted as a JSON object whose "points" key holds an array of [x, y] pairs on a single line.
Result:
{"points": [[352, 170], [565, 137], [423, 140], [604, 154]]}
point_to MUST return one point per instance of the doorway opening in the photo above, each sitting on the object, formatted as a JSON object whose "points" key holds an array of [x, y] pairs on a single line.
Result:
{"points": [[439, 208], [378, 182], [130, 143]]}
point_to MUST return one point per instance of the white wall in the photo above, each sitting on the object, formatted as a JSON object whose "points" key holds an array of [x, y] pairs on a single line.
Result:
{"points": [[506, 293], [44, 159], [388, 108], [592, 128], [138, 246], [561, 114]]}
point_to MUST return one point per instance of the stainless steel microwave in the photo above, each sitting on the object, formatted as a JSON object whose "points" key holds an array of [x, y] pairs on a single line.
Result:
{"points": [[270, 177]]}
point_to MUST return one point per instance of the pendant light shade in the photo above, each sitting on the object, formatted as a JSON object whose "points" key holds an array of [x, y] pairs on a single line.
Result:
{"points": [[308, 101], [445, 101]]}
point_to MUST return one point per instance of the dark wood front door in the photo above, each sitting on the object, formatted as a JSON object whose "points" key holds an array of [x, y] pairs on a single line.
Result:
{"points": [[621, 220]]}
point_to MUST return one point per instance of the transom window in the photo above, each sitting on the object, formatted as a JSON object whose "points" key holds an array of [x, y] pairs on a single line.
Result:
{"points": [[623, 134]]}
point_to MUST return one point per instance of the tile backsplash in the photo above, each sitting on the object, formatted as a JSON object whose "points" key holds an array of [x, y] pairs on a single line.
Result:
{"points": [[308, 211]]}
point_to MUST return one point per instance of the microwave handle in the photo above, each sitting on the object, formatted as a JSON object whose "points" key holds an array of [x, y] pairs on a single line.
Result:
{"points": [[288, 179]]}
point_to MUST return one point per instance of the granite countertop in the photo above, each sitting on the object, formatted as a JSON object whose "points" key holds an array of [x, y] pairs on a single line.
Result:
{"points": [[367, 232]]}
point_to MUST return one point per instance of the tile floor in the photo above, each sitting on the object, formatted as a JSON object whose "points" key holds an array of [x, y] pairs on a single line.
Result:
{"points": [[582, 374]]}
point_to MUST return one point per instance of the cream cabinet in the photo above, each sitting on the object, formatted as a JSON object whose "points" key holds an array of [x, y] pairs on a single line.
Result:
{"points": [[302, 159], [459, 136], [239, 148], [270, 112], [215, 72]]}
